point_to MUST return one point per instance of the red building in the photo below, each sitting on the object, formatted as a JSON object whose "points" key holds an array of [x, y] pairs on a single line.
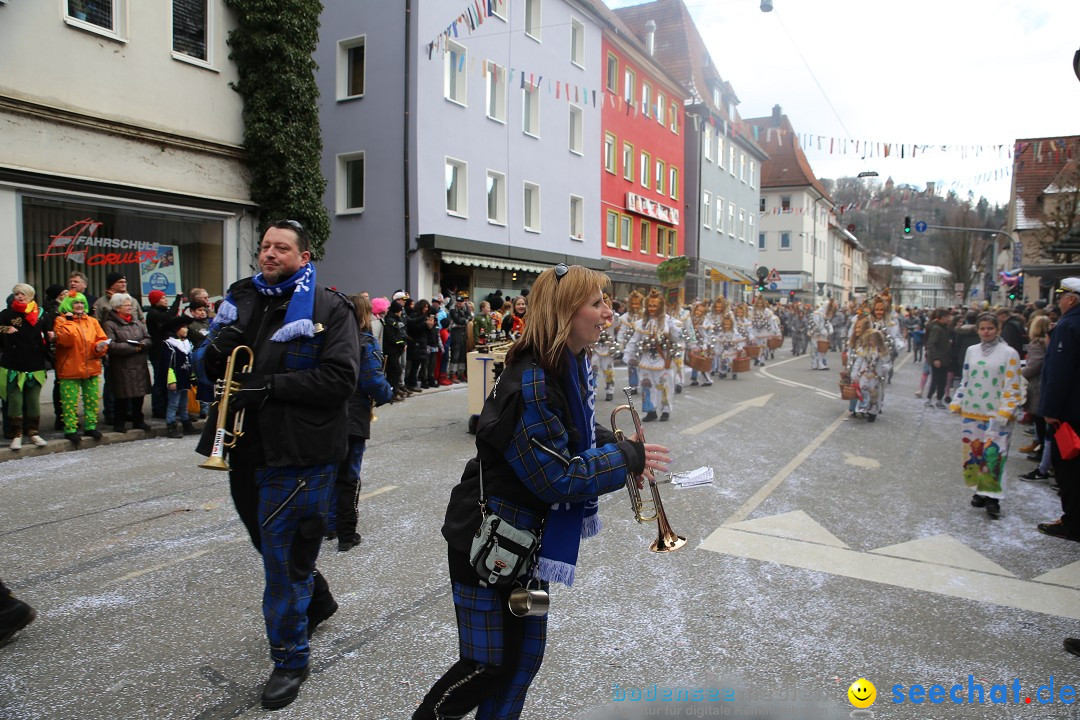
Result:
{"points": [[641, 185]]}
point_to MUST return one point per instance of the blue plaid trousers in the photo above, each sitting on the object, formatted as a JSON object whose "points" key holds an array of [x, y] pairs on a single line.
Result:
{"points": [[489, 634], [290, 546]]}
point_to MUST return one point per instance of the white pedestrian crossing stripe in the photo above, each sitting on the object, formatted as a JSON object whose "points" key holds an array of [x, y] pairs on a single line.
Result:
{"points": [[938, 564]]}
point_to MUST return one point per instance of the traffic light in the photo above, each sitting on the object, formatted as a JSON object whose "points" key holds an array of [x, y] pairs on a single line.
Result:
{"points": [[907, 224], [1012, 293], [791, 294], [761, 286]]}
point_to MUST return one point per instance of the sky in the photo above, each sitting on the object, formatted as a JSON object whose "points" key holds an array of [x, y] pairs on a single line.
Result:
{"points": [[970, 74]]}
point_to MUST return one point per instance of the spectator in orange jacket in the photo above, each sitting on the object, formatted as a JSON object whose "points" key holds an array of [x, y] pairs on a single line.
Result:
{"points": [[80, 345]]}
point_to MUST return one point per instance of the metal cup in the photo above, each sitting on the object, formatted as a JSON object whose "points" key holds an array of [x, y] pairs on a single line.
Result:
{"points": [[525, 602]]}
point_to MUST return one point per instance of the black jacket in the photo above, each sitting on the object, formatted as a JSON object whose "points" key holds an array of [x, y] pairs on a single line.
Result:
{"points": [[304, 421], [371, 385], [26, 349]]}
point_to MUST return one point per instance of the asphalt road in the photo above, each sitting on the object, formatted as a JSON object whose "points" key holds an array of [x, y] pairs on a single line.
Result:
{"points": [[827, 549]]}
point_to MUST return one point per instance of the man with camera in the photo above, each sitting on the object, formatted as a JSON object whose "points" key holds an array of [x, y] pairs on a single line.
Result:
{"points": [[303, 338]]}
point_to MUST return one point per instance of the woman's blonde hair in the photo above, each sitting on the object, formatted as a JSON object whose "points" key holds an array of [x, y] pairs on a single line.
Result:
{"points": [[1039, 328], [25, 289], [362, 307], [552, 304]]}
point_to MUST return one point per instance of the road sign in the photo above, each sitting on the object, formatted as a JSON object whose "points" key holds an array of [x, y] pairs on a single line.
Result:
{"points": [[772, 286], [774, 276], [920, 226]]}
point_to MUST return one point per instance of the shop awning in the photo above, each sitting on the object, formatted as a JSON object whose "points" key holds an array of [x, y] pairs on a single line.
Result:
{"points": [[730, 274], [495, 263]]}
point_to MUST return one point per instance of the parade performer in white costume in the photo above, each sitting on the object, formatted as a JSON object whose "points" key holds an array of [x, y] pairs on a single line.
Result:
{"points": [[652, 348]]}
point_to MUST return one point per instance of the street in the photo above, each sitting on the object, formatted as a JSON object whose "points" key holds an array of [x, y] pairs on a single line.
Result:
{"points": [[826, 549]]}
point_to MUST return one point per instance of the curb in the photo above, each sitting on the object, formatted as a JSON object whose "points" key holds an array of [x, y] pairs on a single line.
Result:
{"points": [[61, 445]]}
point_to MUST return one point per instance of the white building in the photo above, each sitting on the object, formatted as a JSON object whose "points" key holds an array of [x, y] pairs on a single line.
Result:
{"points": [[121, 145]]}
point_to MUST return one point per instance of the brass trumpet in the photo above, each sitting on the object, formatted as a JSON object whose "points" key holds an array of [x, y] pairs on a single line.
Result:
{"points": [[223, 388], [666, 540]]}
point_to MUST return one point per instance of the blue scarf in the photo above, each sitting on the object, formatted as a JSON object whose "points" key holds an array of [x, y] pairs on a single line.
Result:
{"points": [[567, 522], [298, 313]]}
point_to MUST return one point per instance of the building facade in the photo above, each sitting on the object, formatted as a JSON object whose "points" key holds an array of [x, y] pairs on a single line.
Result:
{"points": [[122, 149], [460, 147]]}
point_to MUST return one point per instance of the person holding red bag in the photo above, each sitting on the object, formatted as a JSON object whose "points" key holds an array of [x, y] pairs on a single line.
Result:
{"points": [[1059, 403]]}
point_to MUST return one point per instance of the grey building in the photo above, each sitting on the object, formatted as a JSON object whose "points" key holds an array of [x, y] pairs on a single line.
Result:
{"points": [[454, 158]]}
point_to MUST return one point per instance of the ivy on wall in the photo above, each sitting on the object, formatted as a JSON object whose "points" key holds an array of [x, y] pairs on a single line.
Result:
{"points": [[272, 47]]}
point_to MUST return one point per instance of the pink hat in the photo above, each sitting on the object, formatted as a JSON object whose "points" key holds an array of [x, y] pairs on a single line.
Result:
{"points": [[379, 305]]}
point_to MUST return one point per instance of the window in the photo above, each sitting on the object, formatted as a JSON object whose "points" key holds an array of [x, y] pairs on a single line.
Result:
{"points": [[742, 166], [720, 150], [532, 19], [191, 29], [731, 159], [455, 80], [673, 183], [673, 243], [660, 106], [645, 238], [716, 97], [612, 77], [761, 241], [673, 118], [626, 227], [350, 182], [750, 228], [742, 224], [457, 187], [498, 8], [761, 204], [577, 217], [577, 43], [531, 207], [609, 152], [629, 86], [719, 214], [707, 142], [646, 99], [530, 110], [785, 203], [496, 198], [576, 123], [612, 229], [644, 169], [97, 15], [496, 92], [628, 161], [666, 242], [661, 176], [351, 67], [706, 209], [785, 241], [731, 219], [753, 174]]}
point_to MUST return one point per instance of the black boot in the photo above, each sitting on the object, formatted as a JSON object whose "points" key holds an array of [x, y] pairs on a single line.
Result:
{"points": [[173, 431], [189, 429], [14, 616], [649, 416], [283, 686], [993, 508], [322, 605]]}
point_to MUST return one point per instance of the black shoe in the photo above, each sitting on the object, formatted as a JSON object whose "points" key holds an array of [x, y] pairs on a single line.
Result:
{"points": [[1035, 476], [173, 431], [58, 424], [978, 500], [283, 686], [649, 416], [119, 428], [734, 376], [14, 616], [1057, 529], [347, 544], [316, 614], [1072, 645], [870, 417], [93, 433], [993, 508], [633, 391], [664, 417], [140, 426], [72, 438], [678, 389], [693, 383], [189, 429], [331, 535]]}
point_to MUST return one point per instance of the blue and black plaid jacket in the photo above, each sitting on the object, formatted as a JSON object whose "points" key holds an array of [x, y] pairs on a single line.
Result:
{"points": [[522, 441]]}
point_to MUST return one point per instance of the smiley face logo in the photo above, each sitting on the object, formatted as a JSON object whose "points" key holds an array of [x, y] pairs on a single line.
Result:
{"points": [[862, 693]]}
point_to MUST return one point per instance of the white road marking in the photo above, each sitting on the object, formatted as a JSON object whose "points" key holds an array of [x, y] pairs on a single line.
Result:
{"points": [[944, 549], [861, 462], [794, 525], [380, 491], [1068, 576], [739, 407], [759, 497], [981, 587]]}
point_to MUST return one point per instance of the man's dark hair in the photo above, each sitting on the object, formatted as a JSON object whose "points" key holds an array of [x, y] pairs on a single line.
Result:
{"points": [[303, 241]]}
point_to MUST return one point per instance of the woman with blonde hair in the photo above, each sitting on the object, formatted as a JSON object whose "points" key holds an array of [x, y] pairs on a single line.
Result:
{"points": [[1038, 335], [541, 463]]}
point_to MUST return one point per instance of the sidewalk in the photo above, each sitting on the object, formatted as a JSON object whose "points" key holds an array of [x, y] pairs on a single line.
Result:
{"points": [[57, 443]]}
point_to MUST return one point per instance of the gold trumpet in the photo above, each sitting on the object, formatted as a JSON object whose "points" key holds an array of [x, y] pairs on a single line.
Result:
{"points": [[223, 389], [666, 540]]}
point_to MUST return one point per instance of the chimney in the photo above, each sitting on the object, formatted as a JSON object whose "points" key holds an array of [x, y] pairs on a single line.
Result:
{"points": [[650, 36], [776, 113]]}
